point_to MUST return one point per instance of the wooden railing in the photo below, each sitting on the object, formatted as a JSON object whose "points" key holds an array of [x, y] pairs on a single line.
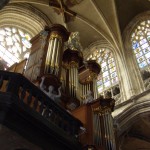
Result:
{"points": [[27, 93]]}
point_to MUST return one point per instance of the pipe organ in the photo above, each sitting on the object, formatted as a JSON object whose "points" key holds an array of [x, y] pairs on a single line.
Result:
{"points": [[58, 35], [88, 79], [103, 132], [84, 88], [71, 61], [66, 67], [97, 120]]}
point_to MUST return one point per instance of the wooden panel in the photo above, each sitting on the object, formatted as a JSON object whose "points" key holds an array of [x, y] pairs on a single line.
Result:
{"points": [[31, 60], [28, 73], [12, 68], [37, 57], [81, 114], [84, 114], [20, 66]]}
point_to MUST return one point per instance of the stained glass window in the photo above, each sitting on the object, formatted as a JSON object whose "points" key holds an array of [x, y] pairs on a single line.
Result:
{"points": [[140, 40], [108, 76], [14, 45]]}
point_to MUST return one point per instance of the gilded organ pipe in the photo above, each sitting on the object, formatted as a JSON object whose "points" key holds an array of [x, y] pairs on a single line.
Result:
{"points": [[58, 35], [106, 133], [48, 57]]}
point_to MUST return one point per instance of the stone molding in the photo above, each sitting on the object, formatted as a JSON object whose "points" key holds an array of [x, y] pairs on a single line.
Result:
{"points": [[25, 17]]}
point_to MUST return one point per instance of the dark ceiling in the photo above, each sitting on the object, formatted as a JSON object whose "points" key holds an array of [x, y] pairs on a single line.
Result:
{"points": [[128, 9]]}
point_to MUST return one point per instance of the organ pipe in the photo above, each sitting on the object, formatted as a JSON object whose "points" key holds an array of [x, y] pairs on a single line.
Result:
{"points": [[73, 79], [103, 132], [58, 35]]}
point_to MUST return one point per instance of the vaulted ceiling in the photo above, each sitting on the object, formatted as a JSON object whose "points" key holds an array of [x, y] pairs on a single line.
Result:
{"points": [[128, 9], [95, 19]]}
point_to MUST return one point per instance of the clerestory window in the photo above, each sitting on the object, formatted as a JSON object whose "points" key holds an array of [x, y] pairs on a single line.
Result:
{"points": [[140, 39]]}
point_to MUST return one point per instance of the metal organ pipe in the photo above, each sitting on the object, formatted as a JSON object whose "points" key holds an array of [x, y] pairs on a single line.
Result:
{"points": [[57, 58], [108, 130], [63, 78], [95, 124], [73, 80], [95, 89], [83, 89], [112, 132], [70, 81], [48, 57], [53, 54], [105, 133], [77, 84]]}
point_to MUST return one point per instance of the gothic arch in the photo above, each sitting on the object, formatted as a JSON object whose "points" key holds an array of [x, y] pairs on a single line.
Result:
{"points": [[134, 71], [103, 44], [23, 17]]}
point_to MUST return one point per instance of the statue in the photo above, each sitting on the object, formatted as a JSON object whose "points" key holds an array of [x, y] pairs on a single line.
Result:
{"points": [[51, 92], [74, 41], [89, 97]]}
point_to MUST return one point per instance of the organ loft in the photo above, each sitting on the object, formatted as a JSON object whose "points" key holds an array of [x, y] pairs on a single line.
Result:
{"points": [[56, 57]]}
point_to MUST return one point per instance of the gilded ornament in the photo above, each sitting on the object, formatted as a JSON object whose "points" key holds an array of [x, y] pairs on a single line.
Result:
{"points": [[55, 35]]}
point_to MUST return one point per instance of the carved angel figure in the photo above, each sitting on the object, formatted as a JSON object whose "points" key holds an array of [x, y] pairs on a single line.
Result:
{"points": [[74, 41], [89, 97], [51, 92]]}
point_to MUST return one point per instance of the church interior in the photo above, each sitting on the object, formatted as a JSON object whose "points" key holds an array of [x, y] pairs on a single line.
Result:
{"points": [[75, 75]]}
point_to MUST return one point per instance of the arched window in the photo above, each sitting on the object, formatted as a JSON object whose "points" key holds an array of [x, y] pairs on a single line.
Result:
{"points": [[108, 75], [140, 39], [14, 45]]}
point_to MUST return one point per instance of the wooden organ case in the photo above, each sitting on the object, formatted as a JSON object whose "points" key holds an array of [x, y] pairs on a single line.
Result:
{"points": [[98, 124], [35, 64], [66, 68]]}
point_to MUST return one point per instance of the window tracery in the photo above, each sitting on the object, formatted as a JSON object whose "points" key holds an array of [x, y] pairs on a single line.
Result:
{"points": [[108, 76], [14, 45], [140, 40]]}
